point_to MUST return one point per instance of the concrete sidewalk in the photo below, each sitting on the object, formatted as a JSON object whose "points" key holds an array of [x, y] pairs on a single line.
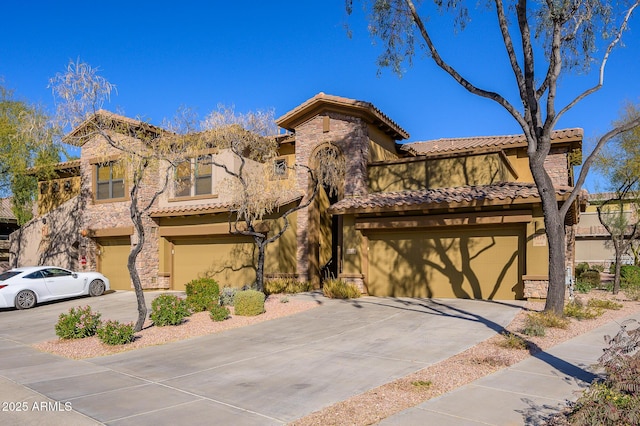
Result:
{"points": [[269, 373], [523, 394]]}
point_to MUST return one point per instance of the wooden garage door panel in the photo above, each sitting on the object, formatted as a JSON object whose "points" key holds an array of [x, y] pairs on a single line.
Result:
{"points": [[469, 263], [114, 254], [229, 260]]}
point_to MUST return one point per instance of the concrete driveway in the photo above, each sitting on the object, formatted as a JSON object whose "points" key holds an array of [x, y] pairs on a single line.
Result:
{"points": [[269, 373]]}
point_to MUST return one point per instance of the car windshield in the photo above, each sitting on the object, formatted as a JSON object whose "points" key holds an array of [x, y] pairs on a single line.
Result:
{"points": [[8, 274]]}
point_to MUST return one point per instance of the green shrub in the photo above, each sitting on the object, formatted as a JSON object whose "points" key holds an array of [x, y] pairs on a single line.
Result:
{"points": [[583, 286], [227, 296], [78, 323], [591, 277], [116, 333], [577, 310], [286, 285], [604, 304], [168, 309], [219, 313], [533, 326], [249, 303], [202, 294], [512, 341], [629, 276], [550, 319], [597, 267], [338, 289], [632, 292], [581, 268]]}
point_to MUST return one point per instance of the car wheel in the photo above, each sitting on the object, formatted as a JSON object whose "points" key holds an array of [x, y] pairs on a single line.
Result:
{"points": [[25, 299], [96, 288]]}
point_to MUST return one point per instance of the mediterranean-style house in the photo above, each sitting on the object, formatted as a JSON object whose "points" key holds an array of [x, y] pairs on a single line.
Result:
{"points": [[593, 241], [445, 218]]}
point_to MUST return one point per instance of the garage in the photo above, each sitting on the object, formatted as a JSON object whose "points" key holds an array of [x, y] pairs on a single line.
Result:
{"points": [[112, 261], [227, 259], [465, 262]]}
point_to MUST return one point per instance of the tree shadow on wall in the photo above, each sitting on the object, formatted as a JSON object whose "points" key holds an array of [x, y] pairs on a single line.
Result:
{"points": [[236, 268], [461, 266]]}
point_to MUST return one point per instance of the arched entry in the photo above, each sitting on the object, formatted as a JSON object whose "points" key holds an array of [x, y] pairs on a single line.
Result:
{"points": [[325, 230]]}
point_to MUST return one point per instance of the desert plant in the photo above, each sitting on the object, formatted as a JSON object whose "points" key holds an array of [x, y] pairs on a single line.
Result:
{"points": [[549, 319], [614, 399], [581, 268], [591, 277], [604, 304], [339, 289], [286, 285], [116, 333], [219, 313], [576, 309], [583, 286], [533, 326], [168, 309], [78, 323], [249, 303], [512, 341], [424, 384], [202, 294], [227, 296]]}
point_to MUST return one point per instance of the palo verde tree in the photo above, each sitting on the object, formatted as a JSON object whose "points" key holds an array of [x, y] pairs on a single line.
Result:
{"points": [[246, 146], [145, 154], [543, 40], [620, 165]]}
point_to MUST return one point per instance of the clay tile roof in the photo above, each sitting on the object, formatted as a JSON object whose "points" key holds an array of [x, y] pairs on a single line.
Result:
{"points": [[5, 210], [322, 101], [210, 208], [434, 198], [451, 145]]}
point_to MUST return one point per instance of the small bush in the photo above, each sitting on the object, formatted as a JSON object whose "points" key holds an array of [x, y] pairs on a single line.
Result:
{"points": [[632, 292], [604, 304], [597, 267], [78, 323], [227, 296], [424, 384], [581, 268], [630, 277], [577, 310], [549, 319], [219, 313], [249, 303], [202, 294], [533, 326], [116, 333], [168, 309], [338, 289], [512, 341], [286, 285], [591, 277], [583, 286]]}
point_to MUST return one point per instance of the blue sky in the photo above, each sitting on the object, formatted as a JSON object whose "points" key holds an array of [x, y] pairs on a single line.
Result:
{"points": [[257, 55]]}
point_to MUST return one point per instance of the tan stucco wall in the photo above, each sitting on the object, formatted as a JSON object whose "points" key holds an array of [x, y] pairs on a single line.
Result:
{"points": [[381, 146], [56, 192], [537, 260], [421, 173]]}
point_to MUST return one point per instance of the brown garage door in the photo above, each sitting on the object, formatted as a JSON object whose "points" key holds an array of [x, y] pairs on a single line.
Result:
{"points": [[462, 263], [229, 260], [112, 262]]}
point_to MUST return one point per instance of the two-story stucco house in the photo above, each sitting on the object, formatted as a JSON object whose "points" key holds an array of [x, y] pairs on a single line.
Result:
{"points": [[443, 218]]}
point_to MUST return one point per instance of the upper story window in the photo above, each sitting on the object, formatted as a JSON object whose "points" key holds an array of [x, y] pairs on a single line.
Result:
{"points": [[194, 177], [109, 181]]}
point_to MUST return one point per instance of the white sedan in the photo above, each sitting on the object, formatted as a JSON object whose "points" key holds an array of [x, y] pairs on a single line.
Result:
{"points": [[23, 287]]}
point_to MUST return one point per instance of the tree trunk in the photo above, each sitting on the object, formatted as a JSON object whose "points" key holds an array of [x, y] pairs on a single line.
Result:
{"points": [[260, 243], [617, 246], [136, 218]]}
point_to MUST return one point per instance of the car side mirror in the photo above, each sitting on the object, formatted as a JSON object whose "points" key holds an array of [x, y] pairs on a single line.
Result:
{"points": [[74, 275]]}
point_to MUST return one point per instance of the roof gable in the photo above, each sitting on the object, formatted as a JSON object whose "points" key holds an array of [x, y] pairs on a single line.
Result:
{"points": [[322, 103]]}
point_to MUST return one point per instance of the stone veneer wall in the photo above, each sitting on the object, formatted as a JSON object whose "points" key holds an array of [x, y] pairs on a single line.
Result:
{"points": [[109, 215], [351, 135], [557, 166]]}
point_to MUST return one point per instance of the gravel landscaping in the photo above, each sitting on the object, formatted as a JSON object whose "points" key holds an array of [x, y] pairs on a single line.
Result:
{"points": [[379, 403]]}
